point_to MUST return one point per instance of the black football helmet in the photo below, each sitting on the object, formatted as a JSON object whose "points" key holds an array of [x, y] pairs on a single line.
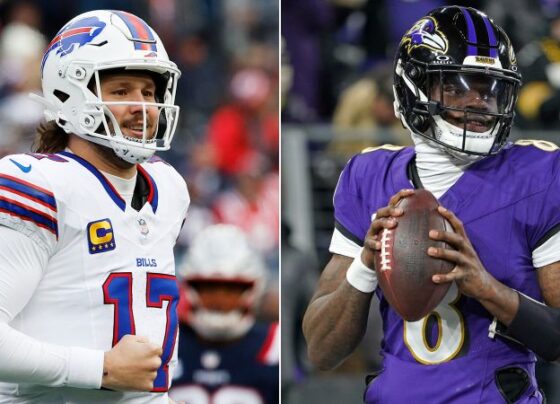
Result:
{"points": [[456, 81]]}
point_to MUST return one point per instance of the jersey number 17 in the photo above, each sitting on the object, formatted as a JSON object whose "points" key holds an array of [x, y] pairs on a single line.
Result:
{"points": [[117, 290]]}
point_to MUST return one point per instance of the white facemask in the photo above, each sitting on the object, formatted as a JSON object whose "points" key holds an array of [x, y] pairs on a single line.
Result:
{"points": [[218, 325], [477, 142]]}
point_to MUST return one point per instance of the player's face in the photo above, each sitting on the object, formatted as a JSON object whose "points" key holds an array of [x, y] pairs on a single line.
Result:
{"points": [[221, 296], [136, 88], [477, 94]]}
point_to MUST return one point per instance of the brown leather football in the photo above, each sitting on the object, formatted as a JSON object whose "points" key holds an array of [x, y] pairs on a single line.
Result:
{"points": [[403, 266]]}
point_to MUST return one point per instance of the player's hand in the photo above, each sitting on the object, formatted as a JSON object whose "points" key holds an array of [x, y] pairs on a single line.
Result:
{"points": [[131, 365], [472, 278], [385, 218]]}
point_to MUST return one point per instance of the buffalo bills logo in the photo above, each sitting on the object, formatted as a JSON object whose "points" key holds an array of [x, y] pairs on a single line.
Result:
{"points": [[425, 33], [74, 35]]}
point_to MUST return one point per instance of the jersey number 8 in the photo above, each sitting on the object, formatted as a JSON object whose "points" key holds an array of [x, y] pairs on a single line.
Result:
{"points": [[450, 332]]}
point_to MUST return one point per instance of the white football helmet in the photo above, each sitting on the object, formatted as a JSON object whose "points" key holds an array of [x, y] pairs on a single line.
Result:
{"points": [[221, 253], [90, 44]]}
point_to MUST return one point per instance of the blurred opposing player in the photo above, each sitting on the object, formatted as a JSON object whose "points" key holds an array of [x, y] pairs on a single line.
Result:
{"points": [[456, 82], [224, 356], [88, 223]]}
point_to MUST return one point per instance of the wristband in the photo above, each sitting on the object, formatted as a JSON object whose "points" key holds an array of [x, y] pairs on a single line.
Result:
{"points": [[360, 276]]}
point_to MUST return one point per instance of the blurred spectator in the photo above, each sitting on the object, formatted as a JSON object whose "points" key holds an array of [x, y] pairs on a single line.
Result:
{"points": [[24, 12], [367, 107], [199, 65], [521, 19], [303, 22], [21, 48], [539, 98], [247, 125], [253, 205]]}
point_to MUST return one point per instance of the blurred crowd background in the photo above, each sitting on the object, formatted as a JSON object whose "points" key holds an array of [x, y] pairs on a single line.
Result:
{"points": [[226, 145], [337, 98]]}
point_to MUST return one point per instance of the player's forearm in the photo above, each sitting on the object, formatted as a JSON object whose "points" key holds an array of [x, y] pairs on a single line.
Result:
{"points": [[27, 360], [334, 325], [538, 327], [500, 300], [24, 359]]}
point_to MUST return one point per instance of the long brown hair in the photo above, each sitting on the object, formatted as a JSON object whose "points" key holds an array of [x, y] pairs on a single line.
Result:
{"points": [[50, 138]]}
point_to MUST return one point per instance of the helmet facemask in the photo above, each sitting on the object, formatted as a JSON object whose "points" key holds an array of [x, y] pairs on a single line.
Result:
{"points": [[466, 109], [221, 320], [221, 256], [100, 125]]}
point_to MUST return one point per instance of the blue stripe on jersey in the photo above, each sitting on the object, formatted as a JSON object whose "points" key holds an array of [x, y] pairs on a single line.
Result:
{"points": [[26, 214], [34, 192], [104, 182]]}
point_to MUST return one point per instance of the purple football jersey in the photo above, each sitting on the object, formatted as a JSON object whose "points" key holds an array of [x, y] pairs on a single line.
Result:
{"points": [[509, 204]]}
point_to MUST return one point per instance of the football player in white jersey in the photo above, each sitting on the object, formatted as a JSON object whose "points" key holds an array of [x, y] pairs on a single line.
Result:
{"points": [[225, 356], [88, 293]]}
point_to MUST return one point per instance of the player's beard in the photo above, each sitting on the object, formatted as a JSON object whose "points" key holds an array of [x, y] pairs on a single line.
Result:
{"points": [[109, 155]]}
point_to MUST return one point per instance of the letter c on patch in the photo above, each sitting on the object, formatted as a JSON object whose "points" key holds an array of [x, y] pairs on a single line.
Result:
{"points": [[101, 232]]}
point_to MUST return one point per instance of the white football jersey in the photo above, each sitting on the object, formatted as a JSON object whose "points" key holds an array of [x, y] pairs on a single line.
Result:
{"points": [[111, 270]]}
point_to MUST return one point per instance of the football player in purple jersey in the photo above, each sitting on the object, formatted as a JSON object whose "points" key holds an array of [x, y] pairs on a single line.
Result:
{"points": [[455, 82]]}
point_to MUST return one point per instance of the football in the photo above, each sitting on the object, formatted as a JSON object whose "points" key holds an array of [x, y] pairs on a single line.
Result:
{"points": [[403, 266]]}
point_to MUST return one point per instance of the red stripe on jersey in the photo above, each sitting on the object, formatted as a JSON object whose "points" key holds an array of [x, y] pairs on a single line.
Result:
{"points": [[29, 208], [40, 202], [28, 220], [268, 344], [28, 184]]}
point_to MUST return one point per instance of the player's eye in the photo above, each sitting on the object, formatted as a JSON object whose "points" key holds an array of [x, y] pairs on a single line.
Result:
{"points": [[119, 91], [453, 90]]}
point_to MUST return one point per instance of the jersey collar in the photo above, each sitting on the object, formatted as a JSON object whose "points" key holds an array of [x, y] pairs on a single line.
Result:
{"points": [[111, 191]]}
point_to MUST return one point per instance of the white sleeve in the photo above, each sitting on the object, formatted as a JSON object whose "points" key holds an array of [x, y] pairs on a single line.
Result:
{"points": [[24, 359], [343, 245], [548, 252]]}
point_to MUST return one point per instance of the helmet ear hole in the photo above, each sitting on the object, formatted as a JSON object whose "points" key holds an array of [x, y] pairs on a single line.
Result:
{"points": [[61, 95], [415, 73], [419, 122]]}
